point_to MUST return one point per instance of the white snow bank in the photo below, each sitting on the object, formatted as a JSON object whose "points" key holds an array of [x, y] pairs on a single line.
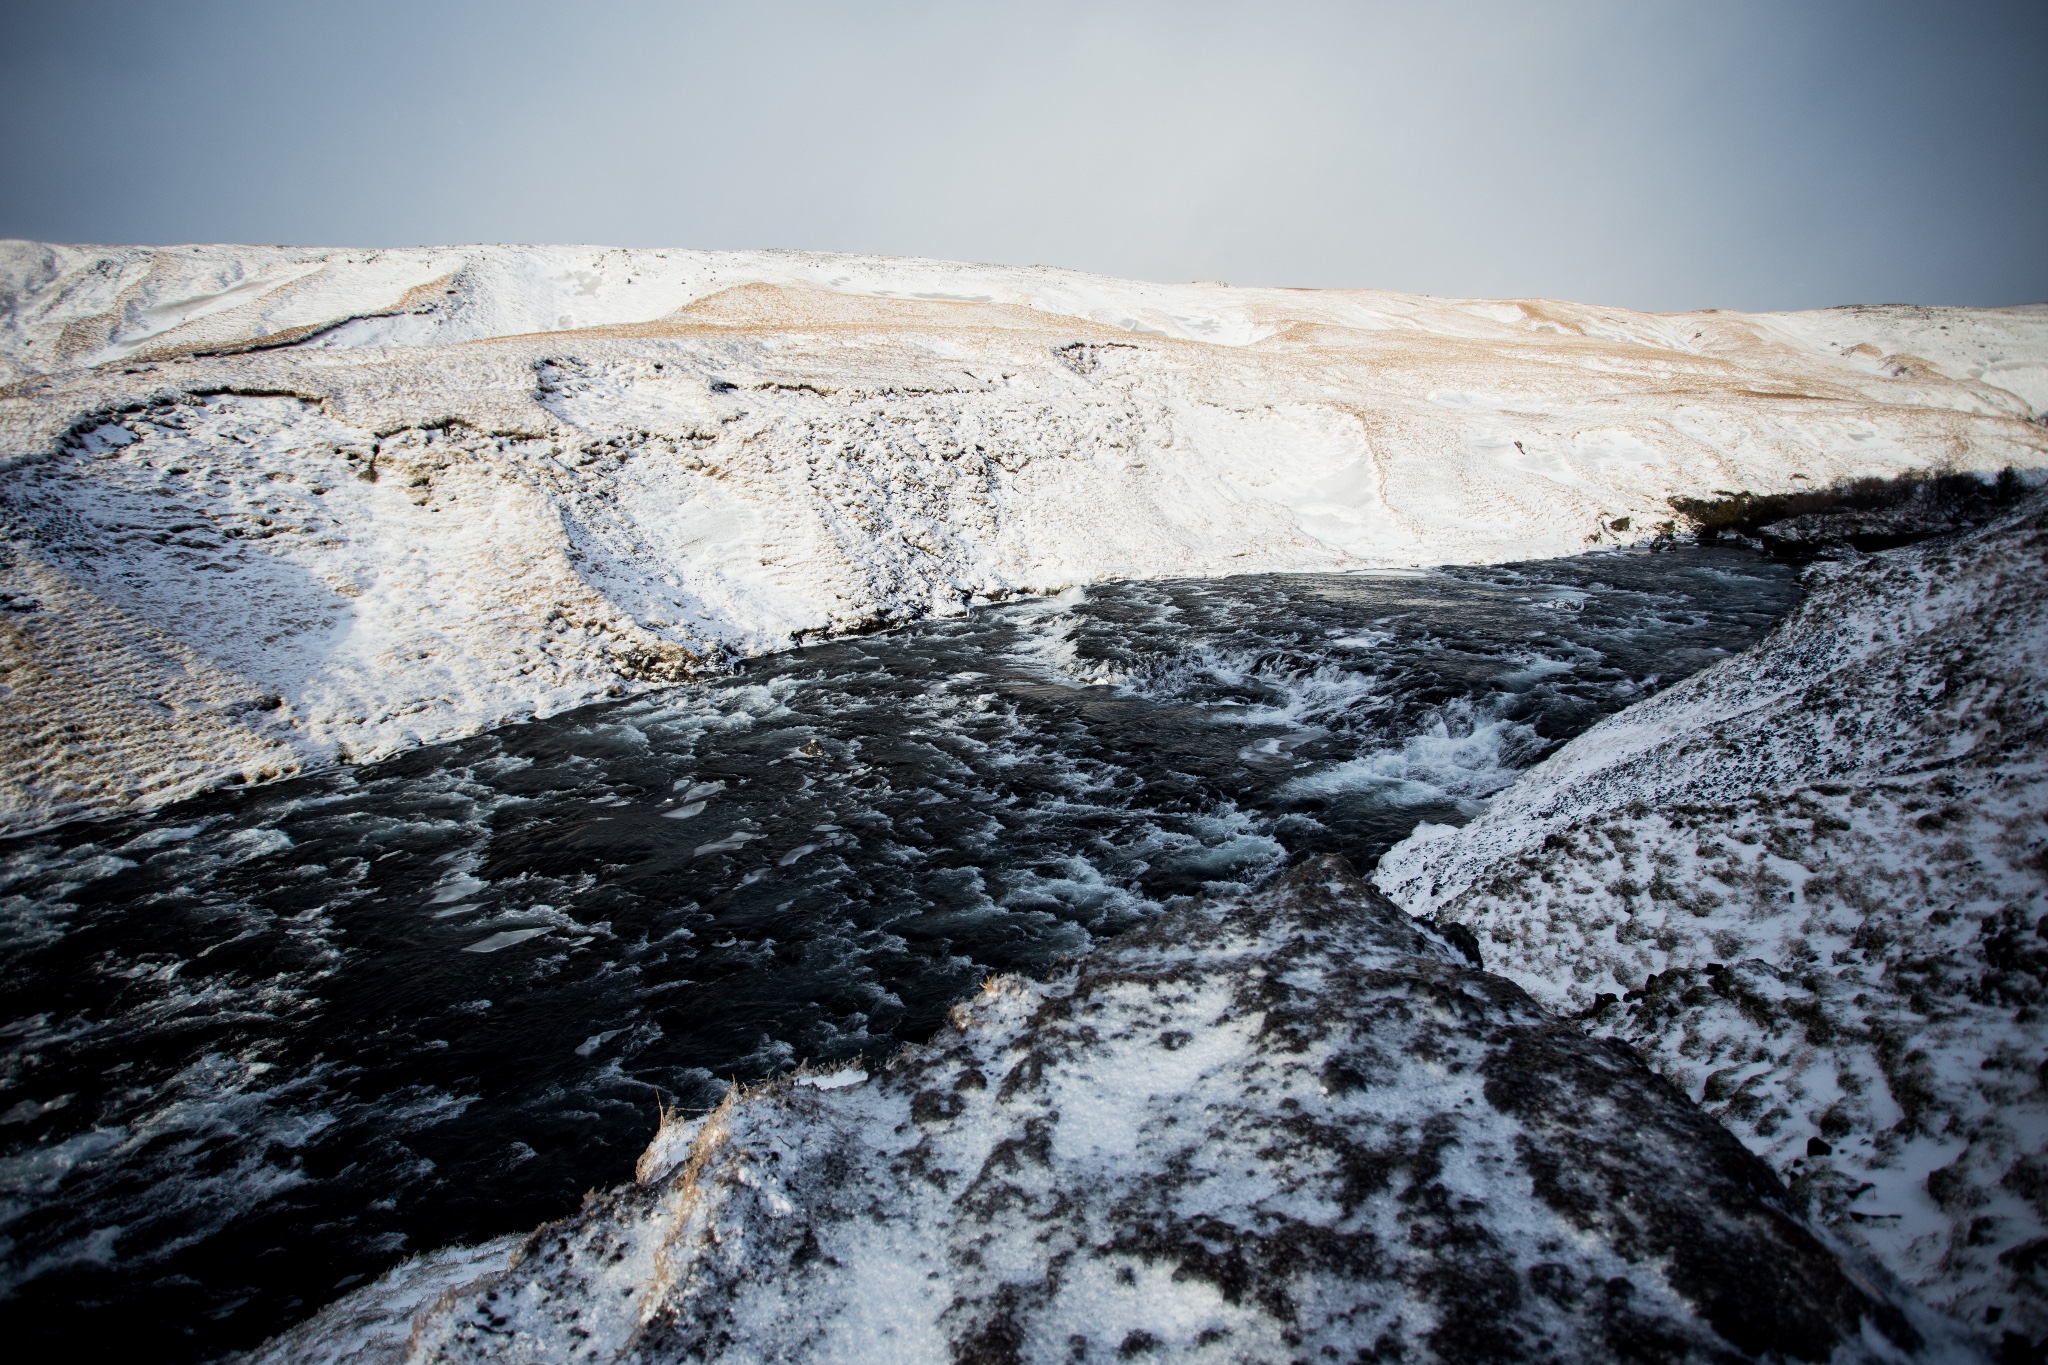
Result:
{"points": [[1809, 885], [268, 507]]}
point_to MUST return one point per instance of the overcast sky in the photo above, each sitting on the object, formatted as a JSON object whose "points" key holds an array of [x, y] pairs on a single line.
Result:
{"points": [[1709, 154]]}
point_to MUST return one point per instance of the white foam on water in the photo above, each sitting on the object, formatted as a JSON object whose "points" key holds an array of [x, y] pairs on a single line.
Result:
{"points": [[1460, 756], [460, 886], [226, 1106], [160, 835], [1044, 639], [505, 939], [737, 839]]}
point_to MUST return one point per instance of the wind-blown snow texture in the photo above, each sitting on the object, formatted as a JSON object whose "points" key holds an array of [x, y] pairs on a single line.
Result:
{"points": [[262, 508], [1297, 1128], [1809, 885]]}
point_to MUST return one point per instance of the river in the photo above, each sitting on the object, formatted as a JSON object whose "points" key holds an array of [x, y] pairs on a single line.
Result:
{"points": [[260, 1045]]}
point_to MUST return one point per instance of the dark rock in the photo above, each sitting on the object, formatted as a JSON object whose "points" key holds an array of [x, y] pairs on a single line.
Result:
{"points": [[1863, 515]]}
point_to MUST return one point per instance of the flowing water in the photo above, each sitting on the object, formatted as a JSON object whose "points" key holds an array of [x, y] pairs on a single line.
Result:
{"points": [[260, 1046]]}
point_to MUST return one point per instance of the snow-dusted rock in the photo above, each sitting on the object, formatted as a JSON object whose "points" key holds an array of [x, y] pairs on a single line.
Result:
{"points": [[1296, 1128], [266, 507], [1810, 885]]}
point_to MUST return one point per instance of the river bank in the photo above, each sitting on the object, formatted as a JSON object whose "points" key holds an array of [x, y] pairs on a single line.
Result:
{"points": [[1809, 887], [268, 510]]}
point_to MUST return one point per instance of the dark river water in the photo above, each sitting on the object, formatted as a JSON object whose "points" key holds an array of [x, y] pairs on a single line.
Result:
{"points": [[258, 1047]]}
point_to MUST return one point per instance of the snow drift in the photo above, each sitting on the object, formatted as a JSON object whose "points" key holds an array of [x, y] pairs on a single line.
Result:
{"points": [[267, 507], [1810, 886]]}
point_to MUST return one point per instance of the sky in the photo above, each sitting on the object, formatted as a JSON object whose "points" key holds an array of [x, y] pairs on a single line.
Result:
{"points": [[1800, 153]]}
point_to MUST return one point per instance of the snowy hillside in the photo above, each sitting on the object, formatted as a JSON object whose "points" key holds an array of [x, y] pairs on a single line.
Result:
{"points": [[1299, 1128], [267, 507], [1810, 886]]}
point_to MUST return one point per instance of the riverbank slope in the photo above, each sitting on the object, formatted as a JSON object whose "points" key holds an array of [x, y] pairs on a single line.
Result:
{"points": [[1810, 886], [270, 508]]}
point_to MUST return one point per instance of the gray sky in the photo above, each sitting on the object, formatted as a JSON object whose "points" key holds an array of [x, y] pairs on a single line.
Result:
{"points": [[1664, 156]]}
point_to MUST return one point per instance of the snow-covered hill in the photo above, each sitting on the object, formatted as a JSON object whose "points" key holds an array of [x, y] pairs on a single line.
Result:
{"points": [[268, 507], [1810, 886]]}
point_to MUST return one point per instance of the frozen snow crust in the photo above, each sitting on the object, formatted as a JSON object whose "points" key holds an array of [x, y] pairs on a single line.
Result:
{"points": [[1808, 884], [1298, 1127], [265, 508]]}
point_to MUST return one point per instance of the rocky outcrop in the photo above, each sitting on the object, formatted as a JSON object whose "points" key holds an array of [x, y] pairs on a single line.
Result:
{"points": [[1864, 515], [1297, 1127], [1810, 886]]}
